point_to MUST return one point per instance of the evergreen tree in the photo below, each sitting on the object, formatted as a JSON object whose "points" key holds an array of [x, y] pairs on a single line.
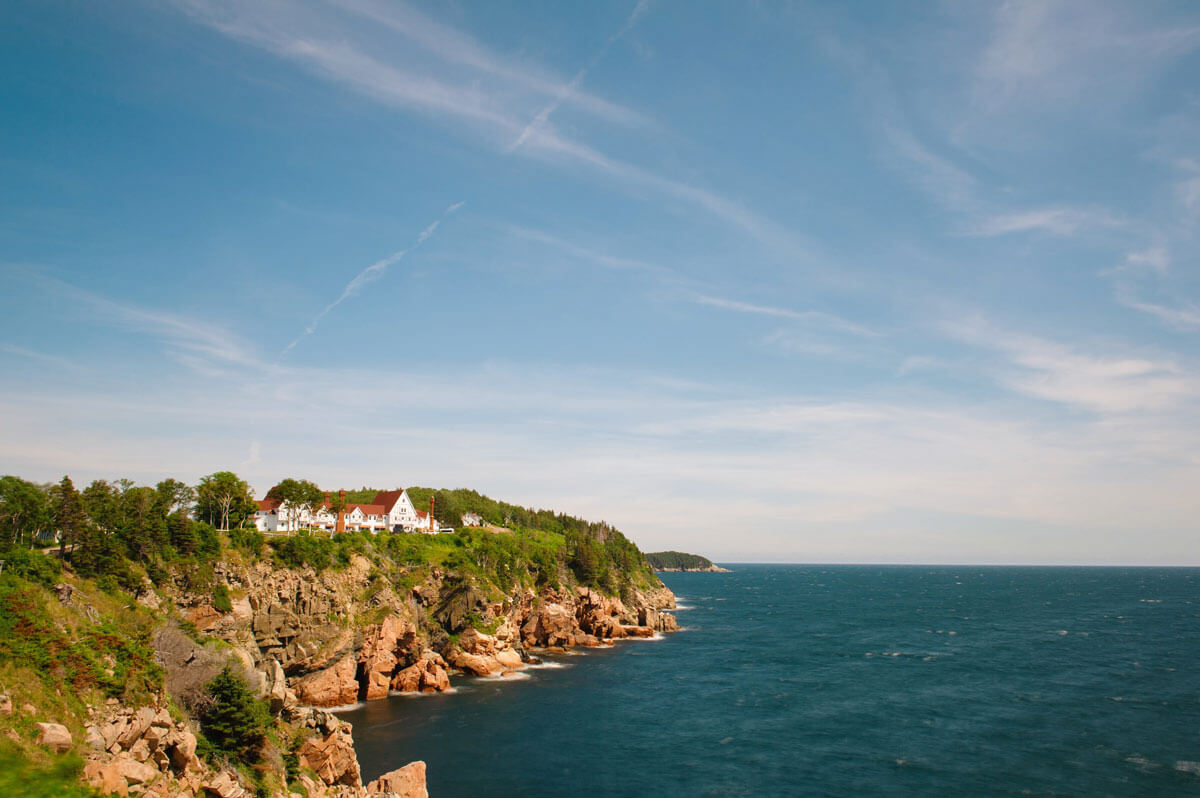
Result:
{"points": [[235, 721], [68, 516]]}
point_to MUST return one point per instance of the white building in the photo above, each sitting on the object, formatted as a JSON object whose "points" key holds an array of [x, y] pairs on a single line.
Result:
{"points": [[391, 510]]}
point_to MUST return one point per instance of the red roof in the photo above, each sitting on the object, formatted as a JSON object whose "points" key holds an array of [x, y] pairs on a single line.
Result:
{"points": [[388, 498], [368, 509], [267, 505]]}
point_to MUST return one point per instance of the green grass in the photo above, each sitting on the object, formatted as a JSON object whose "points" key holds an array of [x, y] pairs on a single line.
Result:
{"points": [[57, 778]]}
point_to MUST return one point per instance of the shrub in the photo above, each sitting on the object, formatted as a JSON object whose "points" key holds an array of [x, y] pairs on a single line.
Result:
{"points": [[221, 598], [33, 565]]}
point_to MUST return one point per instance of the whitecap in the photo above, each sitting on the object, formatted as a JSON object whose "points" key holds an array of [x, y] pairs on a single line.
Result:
{"points": [[1062, 633], [346, 707], [545, 664], [1184, 766], [656, 636], [419, 694]]}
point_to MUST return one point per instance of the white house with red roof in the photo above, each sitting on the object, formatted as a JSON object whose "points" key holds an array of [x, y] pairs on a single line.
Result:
{"points": [[392, 510]]}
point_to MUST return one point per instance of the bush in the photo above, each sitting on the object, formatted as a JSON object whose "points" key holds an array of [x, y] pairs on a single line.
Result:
{"points": [[33, 565], [221, 598], [249, 541]]}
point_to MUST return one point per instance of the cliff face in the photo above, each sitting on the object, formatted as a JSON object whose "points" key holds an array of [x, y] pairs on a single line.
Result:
{"points": [[340, 637], [305, 640]]}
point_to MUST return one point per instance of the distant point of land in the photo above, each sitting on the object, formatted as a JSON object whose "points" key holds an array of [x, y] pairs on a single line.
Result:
{"points": [[679, 561]]}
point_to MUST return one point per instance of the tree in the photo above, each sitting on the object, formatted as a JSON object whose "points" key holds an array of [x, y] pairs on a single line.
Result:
{"points": [[68, 516], [23, 509], [234, 722], [222, 496], [298, 497], [174, 495]]}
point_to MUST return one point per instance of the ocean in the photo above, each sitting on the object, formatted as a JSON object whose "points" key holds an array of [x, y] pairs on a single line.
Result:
{"points": [[841, 680]]}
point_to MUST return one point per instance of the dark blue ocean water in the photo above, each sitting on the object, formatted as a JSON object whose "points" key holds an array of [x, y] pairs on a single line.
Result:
{"points": [[842, 680]]}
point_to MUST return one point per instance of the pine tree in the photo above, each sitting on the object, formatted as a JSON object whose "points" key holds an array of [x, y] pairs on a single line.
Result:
{"points": [[68, 515], [236, 721]]}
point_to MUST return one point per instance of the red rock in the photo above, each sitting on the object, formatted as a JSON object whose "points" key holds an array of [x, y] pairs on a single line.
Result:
{"points": [[383, 649], [332, 687], [405, 782], [637, 631], [332, 758]]}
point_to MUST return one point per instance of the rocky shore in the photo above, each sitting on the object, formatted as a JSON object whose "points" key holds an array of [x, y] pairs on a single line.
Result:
{"points": [[308, 642]]}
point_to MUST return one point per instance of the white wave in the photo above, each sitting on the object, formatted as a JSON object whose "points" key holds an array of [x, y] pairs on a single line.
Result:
{"points": [[1062, 633], [419, 694], [1151, 601], [656, 636], [545, 664], [1184, 766], [346, 707], [679, 608]]}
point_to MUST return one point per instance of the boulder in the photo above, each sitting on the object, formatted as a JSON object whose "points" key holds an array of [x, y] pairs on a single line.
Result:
{"points": [[136, 726], [405, 782], [332, 758], [551, 624], [637, 631], [140, 750], [474, 641], [55, 737], [475, 663], [181, 748], [278, 695], [428, 675], [94, 738], [105, 777], [135, 772], [224, 785], [332, 687]]}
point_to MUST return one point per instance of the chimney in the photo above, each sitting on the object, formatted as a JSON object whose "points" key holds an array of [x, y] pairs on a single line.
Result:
{"points": [[341, 519], [431, 498], [327, 498]]}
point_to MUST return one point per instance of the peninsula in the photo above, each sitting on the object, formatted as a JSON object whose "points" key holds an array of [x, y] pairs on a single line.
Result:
{"points": [[191, 640], [680, 561]]}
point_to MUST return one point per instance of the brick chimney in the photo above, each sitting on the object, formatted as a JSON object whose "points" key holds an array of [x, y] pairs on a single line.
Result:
{"points": [[341, 521]]}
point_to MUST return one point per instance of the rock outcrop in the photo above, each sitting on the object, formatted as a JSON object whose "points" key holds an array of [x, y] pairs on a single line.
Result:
{"points": [[332, 687], [405, 782]]}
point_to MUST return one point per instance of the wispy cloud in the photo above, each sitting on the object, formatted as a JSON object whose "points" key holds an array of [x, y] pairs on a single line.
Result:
{"points": [[459, 49], [1055, 52], [53, 361], [370, 274], [820, 317], [1184, 317], [569, 90], [1056, 221], [196, 342], [492, 95], [1108, 383]]}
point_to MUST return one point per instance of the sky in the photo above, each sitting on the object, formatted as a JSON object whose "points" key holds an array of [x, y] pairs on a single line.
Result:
{"points": [[770, 282]]}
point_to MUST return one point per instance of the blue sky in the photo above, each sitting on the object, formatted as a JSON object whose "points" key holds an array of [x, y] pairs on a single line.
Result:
{"points": [[775, 281]]}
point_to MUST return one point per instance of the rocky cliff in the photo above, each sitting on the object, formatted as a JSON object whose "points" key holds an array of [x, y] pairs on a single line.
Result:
{"points": [[350, 636], [306, 639]]}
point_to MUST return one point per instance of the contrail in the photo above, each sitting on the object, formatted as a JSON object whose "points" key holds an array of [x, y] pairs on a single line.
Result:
{"points": [[371, 274], [540, 118]]}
